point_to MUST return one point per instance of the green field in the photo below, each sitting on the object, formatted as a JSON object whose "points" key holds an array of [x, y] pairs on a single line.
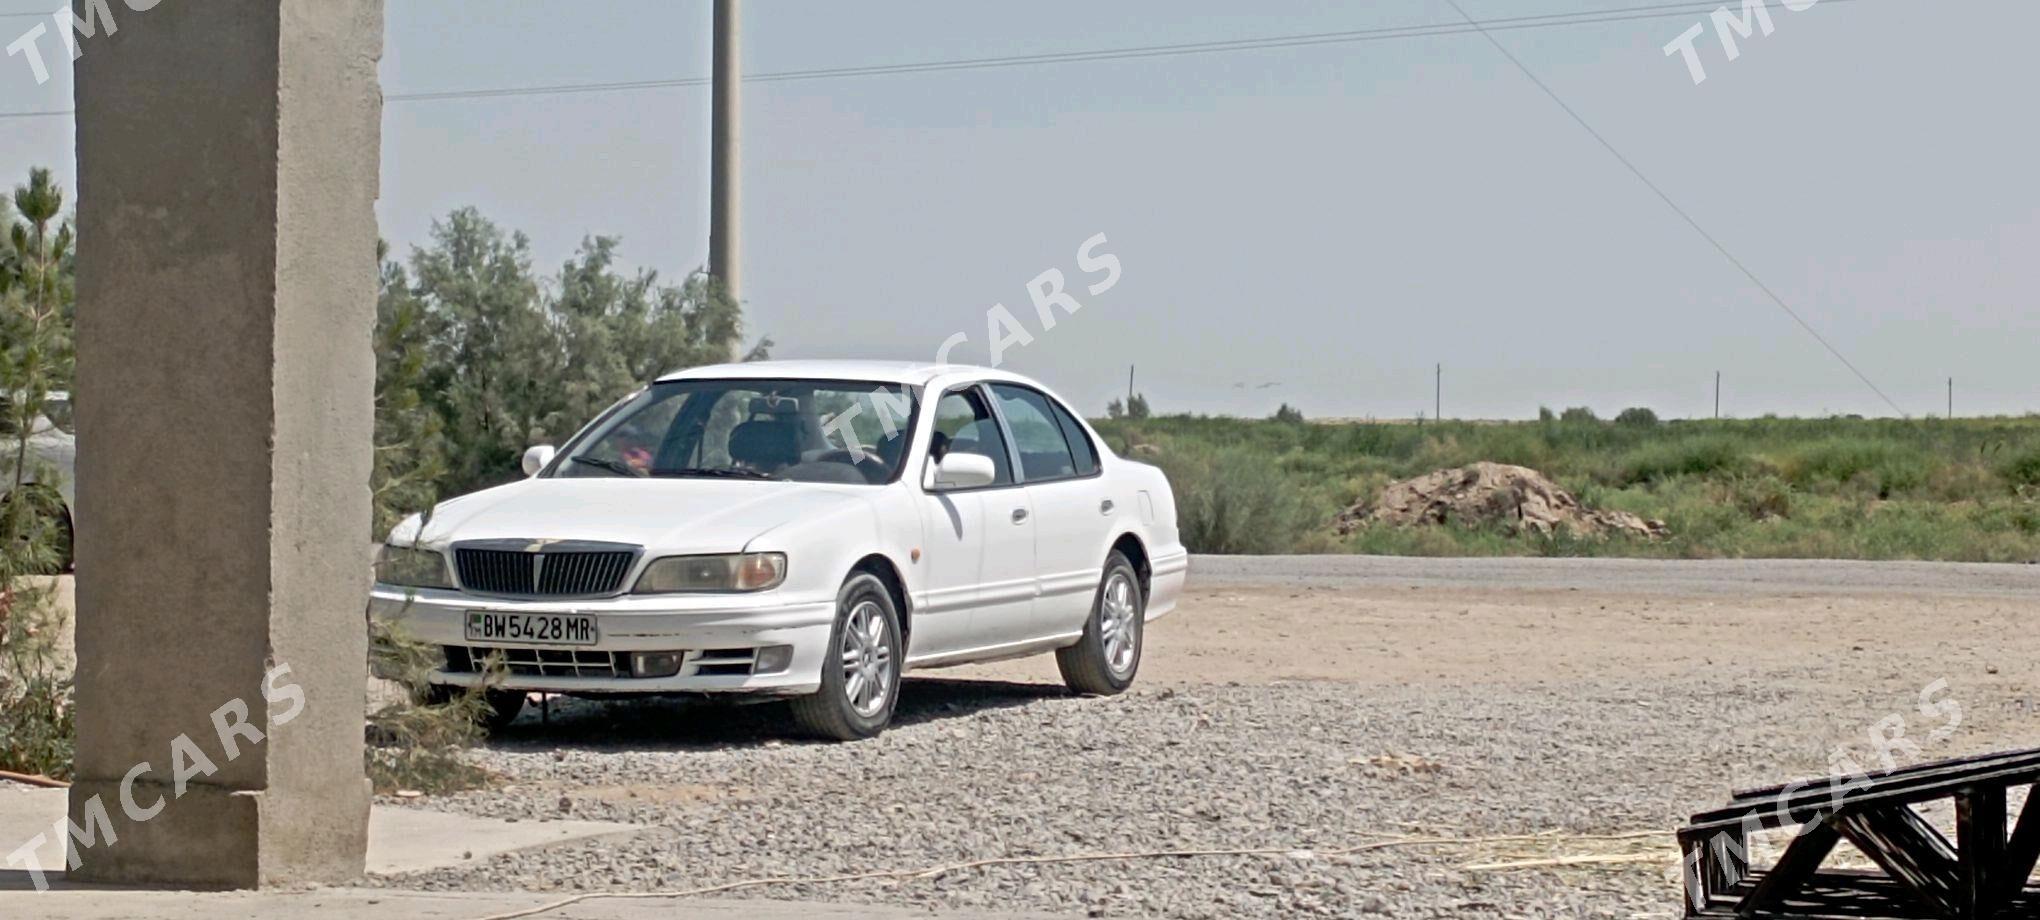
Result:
{"points": [[1844, 488]]}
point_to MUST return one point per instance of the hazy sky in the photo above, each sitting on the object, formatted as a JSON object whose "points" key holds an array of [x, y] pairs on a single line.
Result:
{"points": [[1334, 219]]}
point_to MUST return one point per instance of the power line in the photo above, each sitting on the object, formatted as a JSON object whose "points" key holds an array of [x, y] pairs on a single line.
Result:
{"points": [[1674, 205], [1541, 21]]}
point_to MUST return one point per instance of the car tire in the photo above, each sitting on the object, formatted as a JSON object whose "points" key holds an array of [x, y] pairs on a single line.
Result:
{"points": [[499, 707], [66, 543], [1106, 659], [861, 670]]}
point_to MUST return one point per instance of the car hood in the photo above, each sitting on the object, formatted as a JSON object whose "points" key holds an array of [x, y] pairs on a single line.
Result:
{"points": [[663, 515]]}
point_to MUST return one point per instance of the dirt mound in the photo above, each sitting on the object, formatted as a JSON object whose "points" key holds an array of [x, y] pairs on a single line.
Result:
{"points": [[1515, 498]]}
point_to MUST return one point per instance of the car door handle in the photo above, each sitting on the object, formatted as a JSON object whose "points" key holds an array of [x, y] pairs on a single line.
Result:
{"points": [[1105, 507], [1019, 515]]}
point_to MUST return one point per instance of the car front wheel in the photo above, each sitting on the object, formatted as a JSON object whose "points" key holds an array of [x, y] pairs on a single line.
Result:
{"points": [[1104, 661], [861, 673]]}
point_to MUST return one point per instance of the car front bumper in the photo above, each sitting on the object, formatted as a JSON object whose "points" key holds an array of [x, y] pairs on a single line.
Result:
{"points": [[711, 632]]}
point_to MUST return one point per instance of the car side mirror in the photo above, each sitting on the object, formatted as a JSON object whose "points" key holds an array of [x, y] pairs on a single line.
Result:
{"points": [[958, 470], [538, 458]]}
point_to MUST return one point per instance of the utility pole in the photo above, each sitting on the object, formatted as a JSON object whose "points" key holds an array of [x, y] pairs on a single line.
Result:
{"points": [[725, 226], [1438, 395], [1717, 396], [1129, 388], [1951, 399]]}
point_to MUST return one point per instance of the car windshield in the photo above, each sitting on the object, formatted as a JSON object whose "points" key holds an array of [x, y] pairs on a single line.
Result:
{"points": [[799, 430]]}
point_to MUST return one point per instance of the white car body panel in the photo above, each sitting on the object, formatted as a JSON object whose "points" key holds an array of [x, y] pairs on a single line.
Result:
{"points": [[978, 585]]}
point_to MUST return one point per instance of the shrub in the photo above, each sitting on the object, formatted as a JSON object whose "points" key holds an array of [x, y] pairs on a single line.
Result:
{"points": [[1137, 406], [1637, 417], [416, 744], [2023, 469], [1660, 460], [1578, 415], [1762, 498], [1879, 465], [36, 719], [1234, 500]]}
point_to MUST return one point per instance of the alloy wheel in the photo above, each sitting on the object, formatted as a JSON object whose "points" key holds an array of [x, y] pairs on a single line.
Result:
{"points": [[867, 660], [1118, 624]]}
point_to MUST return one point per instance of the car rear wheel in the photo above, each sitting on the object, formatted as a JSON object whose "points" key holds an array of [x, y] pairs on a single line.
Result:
{"points": [[1105, 660], [861, 673]]}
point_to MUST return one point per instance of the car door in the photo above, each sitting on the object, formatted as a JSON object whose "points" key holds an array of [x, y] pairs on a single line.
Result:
{"points": [[979, 542], [1073, 517]]}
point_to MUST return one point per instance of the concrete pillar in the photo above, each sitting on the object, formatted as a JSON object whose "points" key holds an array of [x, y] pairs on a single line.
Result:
{"points": [[227, 175], [726, 151]]}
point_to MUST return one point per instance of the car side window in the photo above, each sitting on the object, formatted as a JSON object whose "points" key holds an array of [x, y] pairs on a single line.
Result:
{"points": [[1044, 451], [963, 422], [1080, 443]]}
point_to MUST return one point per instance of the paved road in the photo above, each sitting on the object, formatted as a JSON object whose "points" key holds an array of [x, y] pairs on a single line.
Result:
{"points": [[1712, 577]]}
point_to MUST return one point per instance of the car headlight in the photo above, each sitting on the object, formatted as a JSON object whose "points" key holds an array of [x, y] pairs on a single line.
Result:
{"points": [[736, 572], [410, 567]]}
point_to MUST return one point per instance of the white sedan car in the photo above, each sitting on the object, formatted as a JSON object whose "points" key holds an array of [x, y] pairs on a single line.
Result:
{"points": [[806, 529]]}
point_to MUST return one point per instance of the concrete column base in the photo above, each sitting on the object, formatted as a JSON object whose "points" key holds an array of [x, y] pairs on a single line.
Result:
{"points": [[218, 839]]}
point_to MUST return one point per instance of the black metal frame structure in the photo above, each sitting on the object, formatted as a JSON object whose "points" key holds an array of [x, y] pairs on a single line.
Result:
{"points": [[1982, 874]]}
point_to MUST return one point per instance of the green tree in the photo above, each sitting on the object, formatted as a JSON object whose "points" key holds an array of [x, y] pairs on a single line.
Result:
{"points": [[493, 354], [1637, 417], [35, 353], [35, 357], [410, 435], [622, 331], [478, 358]]}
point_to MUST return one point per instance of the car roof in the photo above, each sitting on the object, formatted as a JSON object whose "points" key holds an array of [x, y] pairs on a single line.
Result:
{"points": [[912, 373]]}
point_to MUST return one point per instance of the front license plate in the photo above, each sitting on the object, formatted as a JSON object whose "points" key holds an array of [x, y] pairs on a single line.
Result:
{"points": [[532, 628]]}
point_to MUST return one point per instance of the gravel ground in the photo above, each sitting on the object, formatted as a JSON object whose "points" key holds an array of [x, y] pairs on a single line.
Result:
{"points": [[992, 768], [1301, 706]]}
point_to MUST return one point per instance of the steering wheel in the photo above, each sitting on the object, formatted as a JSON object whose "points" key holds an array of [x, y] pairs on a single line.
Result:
{"points": [[865, 462]]}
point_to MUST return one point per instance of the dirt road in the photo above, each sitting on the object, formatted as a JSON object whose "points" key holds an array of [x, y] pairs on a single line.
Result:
{"points": [[1453, 621]]}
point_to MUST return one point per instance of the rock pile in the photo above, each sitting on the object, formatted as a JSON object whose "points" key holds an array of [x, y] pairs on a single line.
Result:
{"points": [[1515, 498]]}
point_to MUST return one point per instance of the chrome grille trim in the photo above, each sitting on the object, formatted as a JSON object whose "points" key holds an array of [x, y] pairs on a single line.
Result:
{"points": [[540, 662], [537, 568], [523, 661]]}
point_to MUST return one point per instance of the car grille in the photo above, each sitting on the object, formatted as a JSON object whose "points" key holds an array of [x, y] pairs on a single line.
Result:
{"points": [[563, 662], [540, 662], [542, 574]]}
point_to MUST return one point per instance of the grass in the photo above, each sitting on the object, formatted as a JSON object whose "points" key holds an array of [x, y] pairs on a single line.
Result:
{"points": [[1967, 489]]}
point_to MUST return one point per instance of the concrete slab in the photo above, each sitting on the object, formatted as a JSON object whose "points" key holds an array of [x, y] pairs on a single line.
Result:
{"points": [[404, 840], [363, 904], [400, 840]]}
